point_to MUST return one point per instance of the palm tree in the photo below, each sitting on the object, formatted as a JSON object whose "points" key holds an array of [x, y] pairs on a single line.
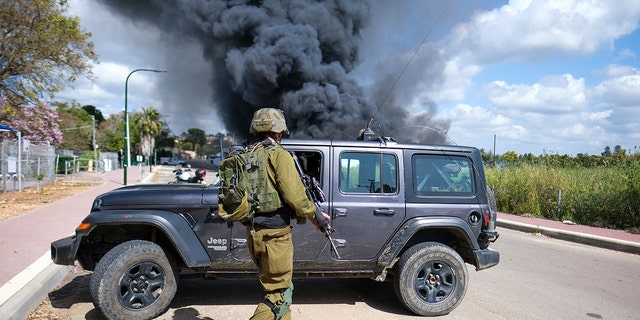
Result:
{"points": [[149, 124]]}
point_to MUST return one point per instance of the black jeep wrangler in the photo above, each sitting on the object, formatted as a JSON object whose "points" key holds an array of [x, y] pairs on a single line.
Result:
{"points": [[412, 214]]}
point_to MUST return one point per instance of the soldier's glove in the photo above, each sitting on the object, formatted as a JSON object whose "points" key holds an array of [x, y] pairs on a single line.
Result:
{"points": [[322, 221]]}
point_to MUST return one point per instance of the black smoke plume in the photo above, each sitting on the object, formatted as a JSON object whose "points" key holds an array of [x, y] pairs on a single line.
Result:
{"points": [[292, 54]]}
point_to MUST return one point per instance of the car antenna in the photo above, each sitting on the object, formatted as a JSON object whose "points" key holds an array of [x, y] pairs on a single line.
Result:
{"points": [[367, 133]]}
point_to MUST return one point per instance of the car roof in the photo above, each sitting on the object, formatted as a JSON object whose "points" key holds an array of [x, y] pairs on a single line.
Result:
{"points": [[377, 144]]}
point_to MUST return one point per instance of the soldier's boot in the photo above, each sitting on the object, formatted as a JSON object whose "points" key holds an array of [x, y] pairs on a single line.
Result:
{"points": [[277, 304], [263, 312]]}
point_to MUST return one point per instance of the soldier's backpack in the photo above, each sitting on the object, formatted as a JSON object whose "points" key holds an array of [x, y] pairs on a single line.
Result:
{"points": [[245, 188]]}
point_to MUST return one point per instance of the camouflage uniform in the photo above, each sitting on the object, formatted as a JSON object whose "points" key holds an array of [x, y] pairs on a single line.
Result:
{"points": [[270, 239]]}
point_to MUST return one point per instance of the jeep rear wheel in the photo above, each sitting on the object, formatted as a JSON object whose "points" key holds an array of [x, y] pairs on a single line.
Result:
{"points": [[134, 280], [431, 280]]}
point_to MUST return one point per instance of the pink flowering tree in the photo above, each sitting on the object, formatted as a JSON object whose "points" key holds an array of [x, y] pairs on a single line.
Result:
{"points": [[36, 123]]}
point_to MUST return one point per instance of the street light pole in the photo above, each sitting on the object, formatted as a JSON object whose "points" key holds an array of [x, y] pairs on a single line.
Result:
{"points": [[127, 139], [221, 155]]}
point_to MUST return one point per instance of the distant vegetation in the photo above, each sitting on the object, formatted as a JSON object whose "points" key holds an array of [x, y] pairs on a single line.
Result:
{"points": [[600, 190]]}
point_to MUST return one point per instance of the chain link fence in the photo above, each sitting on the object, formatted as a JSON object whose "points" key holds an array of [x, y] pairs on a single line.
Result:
{"points": [[77, 167], [27, 165], [35, 164]]}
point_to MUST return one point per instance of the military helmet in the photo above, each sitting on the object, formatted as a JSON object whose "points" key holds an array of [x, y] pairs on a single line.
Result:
{"points": [[268, 120]]}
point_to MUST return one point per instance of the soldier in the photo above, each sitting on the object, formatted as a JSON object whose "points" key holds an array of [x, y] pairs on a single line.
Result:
{"points": [[269, 236]]}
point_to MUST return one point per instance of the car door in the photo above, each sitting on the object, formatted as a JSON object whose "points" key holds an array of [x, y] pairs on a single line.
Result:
{"points": [[308, 242], [367, 199]]}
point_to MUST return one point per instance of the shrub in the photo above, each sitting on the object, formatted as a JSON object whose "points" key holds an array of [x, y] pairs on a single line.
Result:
{"points": [[606, 196]]}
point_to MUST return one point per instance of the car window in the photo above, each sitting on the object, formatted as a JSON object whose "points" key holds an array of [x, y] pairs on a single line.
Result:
{"points": [[364, 172], [311, 163], [440, 174]]}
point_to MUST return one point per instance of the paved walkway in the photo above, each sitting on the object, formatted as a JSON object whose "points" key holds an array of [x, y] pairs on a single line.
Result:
{"points": [[25, 243], [27, 274], [599, 237]]}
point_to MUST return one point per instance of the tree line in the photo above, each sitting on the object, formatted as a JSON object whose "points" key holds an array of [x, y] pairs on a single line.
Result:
{"points": [[607, 158]]}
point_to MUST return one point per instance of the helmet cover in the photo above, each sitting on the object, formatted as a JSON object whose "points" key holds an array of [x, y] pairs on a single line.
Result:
{"points": [[268, 120]]}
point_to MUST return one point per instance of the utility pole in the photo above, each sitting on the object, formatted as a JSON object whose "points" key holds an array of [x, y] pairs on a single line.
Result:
{"points": [[494, 150]]}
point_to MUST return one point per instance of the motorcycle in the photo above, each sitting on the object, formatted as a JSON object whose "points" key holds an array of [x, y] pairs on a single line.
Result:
{"points": [[184, 175]]}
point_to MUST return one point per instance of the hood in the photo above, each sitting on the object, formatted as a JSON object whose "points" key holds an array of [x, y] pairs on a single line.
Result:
{"points": [[157, 196]]}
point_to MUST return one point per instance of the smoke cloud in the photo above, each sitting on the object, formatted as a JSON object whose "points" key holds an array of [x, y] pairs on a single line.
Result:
{"points": [[296, 55]]}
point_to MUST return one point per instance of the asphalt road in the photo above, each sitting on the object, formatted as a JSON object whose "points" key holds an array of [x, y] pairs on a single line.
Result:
{"points": [[537, 278]]}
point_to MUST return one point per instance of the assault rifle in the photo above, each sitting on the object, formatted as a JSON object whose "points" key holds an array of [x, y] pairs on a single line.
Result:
{"points": [[315, 194]]}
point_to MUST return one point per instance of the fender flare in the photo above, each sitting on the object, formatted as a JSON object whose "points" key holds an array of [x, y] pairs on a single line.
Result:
{"points": [[388, 256], [174, 225]]}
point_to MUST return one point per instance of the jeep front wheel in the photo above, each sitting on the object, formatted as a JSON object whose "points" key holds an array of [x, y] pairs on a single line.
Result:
{"points": [[134, 280], [431, 279]]}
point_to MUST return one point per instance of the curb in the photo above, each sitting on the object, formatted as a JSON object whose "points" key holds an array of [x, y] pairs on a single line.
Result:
{"points": [[24, 292], [149, 177], [583, 238]]}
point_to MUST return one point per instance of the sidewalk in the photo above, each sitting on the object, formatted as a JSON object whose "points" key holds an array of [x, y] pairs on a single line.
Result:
{"points": [[599, 237], [27, 274]]}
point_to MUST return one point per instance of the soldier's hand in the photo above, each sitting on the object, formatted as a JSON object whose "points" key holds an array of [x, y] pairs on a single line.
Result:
{"points": [[322, 221]]}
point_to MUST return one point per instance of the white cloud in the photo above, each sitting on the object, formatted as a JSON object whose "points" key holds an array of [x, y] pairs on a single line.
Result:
{"points": [[617, 70], [535, 30], [118, 39], [470, 124], [110, 74], [553, 115], [618, 95], [598, 116], [622, 87], [107, 90], [627, 54], [457, 80], [531, 31], [553, 94]]}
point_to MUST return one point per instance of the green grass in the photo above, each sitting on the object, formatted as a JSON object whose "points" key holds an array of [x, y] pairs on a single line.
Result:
{"points": [[601, 196]]}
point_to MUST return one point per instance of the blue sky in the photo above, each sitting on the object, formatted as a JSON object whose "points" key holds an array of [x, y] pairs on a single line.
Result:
{"points": [[542, 76]]}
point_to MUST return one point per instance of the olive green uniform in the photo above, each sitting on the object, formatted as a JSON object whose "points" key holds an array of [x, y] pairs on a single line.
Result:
{"points": [[269, 237]]}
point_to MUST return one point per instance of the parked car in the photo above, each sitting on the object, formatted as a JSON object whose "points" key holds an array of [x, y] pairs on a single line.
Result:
{"points": [[412, 214], [171, 161]]}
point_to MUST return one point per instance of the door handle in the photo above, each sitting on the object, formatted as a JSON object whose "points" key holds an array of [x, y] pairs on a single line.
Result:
{"points": [[384, 212], [339, 212], [238, 242]]}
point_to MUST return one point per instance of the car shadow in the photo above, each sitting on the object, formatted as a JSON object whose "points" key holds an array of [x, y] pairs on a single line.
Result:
{"points": [[194, 293], [73, 292]]}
